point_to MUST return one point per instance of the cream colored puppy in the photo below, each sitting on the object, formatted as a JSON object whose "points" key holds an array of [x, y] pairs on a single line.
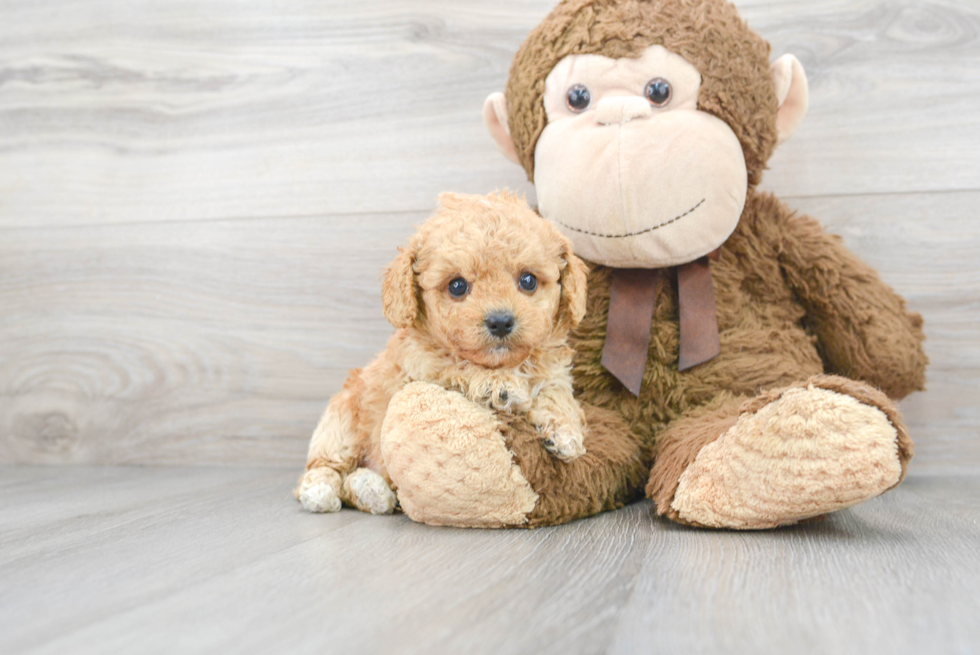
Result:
{"points": [[482, 298]]}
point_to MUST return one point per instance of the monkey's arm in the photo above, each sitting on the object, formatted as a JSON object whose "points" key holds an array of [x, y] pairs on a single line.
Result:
{"points": [[863, 327]]}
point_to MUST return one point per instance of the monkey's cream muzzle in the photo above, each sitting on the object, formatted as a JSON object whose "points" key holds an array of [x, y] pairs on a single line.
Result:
{"points": [[621, 109], [668, 182]]}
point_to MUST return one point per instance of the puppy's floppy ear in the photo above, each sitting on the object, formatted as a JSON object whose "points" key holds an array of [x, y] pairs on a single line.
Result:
{"points": [[399, 295], [574, 287]]}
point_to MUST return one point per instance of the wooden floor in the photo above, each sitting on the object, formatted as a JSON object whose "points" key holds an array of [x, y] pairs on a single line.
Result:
{"points": [[136, 560]]}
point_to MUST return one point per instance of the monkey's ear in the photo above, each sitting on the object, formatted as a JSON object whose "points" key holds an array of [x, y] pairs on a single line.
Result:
{"points": [[398, 293], [574, 288], [792, 92], [495, 117]]}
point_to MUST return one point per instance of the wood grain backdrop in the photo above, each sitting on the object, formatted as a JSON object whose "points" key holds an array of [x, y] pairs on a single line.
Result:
{"points": [[196, 199]]}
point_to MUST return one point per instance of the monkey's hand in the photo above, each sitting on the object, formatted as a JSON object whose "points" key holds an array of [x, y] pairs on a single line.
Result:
{"points": [[864, 329]]}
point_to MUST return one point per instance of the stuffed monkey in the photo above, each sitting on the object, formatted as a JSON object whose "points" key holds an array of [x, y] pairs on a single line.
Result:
{"points": [[735, 359]]}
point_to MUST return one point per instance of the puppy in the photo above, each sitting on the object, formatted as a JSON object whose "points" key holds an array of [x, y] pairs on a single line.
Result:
{"points": [[483, 299]]}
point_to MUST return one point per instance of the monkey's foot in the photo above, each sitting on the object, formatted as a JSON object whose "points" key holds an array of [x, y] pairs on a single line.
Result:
{"points": [[317, 490], [786, 456], [449, 462]]}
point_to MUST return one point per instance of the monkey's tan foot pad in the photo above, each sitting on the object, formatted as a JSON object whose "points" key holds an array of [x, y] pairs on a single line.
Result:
{"points": [[318, 490], [449, 462], [368, 492], [809, 451]]}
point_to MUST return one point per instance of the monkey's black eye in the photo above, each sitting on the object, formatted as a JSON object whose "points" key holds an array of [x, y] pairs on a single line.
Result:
{"points": [[578, 98], [528, 282], [658, 91], [458, 287]]}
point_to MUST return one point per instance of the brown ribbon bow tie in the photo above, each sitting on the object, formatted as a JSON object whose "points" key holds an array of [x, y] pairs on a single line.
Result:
{"points": [[632, 297]]}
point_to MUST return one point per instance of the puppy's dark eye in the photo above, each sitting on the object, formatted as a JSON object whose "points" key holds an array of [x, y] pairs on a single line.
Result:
{"points": [[528, 282], [578, 98], [458, 287], [658, 91]]}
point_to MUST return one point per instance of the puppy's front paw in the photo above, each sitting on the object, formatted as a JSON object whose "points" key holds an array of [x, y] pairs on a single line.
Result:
{"points": [[505, 394], [509, 399], [564, 442]]}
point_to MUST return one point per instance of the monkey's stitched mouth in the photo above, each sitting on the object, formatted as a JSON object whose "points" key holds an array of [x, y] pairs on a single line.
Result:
{"points": [[633, 234]]}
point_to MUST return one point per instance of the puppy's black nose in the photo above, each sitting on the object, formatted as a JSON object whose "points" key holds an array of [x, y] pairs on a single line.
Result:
{"points": [[500, 324]]}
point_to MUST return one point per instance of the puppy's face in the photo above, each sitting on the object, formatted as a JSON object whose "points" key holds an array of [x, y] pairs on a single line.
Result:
{"points": [[494, 280]]}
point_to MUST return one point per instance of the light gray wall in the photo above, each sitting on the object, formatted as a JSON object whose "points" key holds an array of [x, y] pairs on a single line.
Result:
{"points": [[196, 199]]}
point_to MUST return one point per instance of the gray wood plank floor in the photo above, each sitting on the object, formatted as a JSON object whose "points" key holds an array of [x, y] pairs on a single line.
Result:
{"points": [[123, 559]]}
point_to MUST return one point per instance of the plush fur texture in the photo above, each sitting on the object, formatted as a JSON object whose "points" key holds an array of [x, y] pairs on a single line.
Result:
{"points": [[793, 305], [736, 85], [836, 440], [490, 242], [451, 461], [766, 281], [792, 302], [608, 476], [460, 464], [806, 453], [617, 147]]}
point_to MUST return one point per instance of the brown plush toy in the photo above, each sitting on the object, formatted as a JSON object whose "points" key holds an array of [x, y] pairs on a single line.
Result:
{"points": [[736, 348]]}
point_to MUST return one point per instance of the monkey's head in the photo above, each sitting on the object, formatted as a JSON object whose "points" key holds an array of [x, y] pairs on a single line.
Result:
{"points": [[644, 123]]}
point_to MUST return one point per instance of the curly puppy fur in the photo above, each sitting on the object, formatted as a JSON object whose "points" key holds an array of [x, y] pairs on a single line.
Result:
{"points": [[490, 242]]}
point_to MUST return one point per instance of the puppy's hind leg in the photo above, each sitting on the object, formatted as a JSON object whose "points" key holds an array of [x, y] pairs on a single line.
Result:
{"points": [[318, 490], [333, 453], [368, 492]]}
